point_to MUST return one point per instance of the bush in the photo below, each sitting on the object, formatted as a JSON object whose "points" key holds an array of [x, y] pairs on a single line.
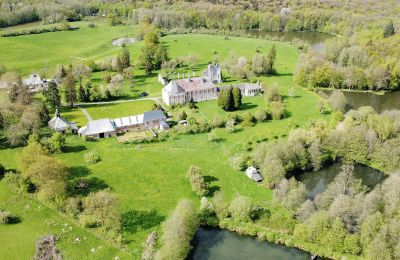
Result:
{"points": [[230, 126], [197, 181], [218, 121], [277, 110], [241, 208], [248, 119], [91, 158], [261, 115], [238, 162], [6, 217]]}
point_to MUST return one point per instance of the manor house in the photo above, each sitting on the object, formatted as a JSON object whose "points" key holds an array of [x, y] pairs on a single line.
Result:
{"points": [[182, 91]]}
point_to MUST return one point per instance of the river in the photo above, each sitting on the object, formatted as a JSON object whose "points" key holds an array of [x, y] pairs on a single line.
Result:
{"points": [[217, 244]]}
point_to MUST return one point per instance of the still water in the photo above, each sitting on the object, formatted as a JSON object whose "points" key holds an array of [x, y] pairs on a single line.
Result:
{"points": [[314, 39], [317, 182], [217, 244], [379, 103]]}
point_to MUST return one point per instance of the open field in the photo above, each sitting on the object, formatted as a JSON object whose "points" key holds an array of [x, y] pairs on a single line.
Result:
{"points": [[149, 179], [17, 240], [34, 53]]}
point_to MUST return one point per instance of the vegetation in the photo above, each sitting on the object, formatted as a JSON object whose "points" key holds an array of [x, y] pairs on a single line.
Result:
{"points": [[230, 99], [197, 181]]}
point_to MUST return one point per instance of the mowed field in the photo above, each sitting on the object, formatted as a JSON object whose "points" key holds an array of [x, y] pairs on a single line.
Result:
{"points": [[149, 179], [41, 52]]}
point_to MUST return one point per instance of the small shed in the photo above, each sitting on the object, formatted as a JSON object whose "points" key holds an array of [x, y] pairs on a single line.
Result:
{"points": [[253, 173], [60, 124]]}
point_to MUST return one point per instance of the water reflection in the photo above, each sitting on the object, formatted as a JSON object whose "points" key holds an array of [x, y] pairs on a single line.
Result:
{"points": [[317, 182], [217, 244]]}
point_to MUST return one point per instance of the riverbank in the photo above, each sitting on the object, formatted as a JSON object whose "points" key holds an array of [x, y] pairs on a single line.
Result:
{"points": [[280, 238]]}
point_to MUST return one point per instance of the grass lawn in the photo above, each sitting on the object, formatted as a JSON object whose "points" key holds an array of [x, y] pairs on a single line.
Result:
{"points": [[135, 136], [18, 240], [149, 179], [41, 52]]}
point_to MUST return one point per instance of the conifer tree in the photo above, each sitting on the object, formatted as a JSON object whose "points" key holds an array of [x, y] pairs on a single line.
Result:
{"points": [[70, 91], [237, 98], [389, 30], [52, 95]]}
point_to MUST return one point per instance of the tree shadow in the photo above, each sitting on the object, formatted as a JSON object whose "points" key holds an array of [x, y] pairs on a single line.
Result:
{"points": [[82, 187], [14, 220], [79, 172], [247, 106], [212, 189], [74, 149], [134, 220]]}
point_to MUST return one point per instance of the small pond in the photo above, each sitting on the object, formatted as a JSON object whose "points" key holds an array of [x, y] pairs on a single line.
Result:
{"points": [[314, 39], [217, 244], [317, 182], [379, 103]]}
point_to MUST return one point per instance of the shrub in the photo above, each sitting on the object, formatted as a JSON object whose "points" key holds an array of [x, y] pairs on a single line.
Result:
{"points": [[248, 119], [178, 231], [261, 115], [241, 208], [218, 121], [230, 126], [212, 136], [91, 158], [197, 181], [277, 110], [238, 162], [6, 217]]}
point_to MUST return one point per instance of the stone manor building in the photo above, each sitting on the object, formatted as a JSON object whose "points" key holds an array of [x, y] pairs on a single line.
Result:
{"points": [[182, 91]]}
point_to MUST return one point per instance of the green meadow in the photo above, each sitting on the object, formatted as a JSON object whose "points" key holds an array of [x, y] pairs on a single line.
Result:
{"points": [[149, 179]]}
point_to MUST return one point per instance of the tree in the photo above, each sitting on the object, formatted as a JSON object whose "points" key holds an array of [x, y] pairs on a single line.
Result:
{"points": [[56, 142], [49, 175], [259, 64], [82, 94], [197, 181], [183, 115], [241, 208], [101, 210], [389, 29], [230, 125], [226, 100], [261, 115], [237, 98], [125, 57], [52, 95], [271, 59], [277, 110], [338, 101], [30, 154], [272, 93], [178, 231], [70, 90]]}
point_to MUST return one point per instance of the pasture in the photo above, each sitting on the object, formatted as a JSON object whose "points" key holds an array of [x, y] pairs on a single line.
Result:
{"points": [[149, 179]]}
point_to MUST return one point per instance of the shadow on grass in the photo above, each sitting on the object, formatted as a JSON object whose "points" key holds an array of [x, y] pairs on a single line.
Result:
{"points": [[82, 187], [74, 149], [212, 189], [247, 106], [79, 172], [134, 220]]}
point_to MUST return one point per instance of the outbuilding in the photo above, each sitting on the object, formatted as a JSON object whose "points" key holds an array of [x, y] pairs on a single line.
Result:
{"points": [[253, 173], [60, 124]]}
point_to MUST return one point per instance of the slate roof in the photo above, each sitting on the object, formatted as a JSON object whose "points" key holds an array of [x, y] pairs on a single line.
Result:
{"points": [[33, 80], [97, 127], [153, 115], [59, 123], [257, 177], [173, 88], [194, 84]]}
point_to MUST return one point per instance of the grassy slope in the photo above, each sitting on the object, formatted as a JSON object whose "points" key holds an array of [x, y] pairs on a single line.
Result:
{"points": [[149, 179], [31, 53]]}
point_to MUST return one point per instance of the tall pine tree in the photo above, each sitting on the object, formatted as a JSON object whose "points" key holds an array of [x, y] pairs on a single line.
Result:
{"points": [[70, 90], [52, 95], [237, 98]]}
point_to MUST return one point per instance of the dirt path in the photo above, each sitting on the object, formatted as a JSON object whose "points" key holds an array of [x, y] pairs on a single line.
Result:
{"points": [[88, 116]]}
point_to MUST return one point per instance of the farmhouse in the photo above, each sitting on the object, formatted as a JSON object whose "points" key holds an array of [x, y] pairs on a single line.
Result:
{"points": [[104, 128], [182, 91], [60, 124]]}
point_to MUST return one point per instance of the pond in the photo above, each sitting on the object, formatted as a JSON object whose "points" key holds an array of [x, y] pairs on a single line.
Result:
{"points": [[379, 103], [217, 244], [314, 39], [317, 182]]}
